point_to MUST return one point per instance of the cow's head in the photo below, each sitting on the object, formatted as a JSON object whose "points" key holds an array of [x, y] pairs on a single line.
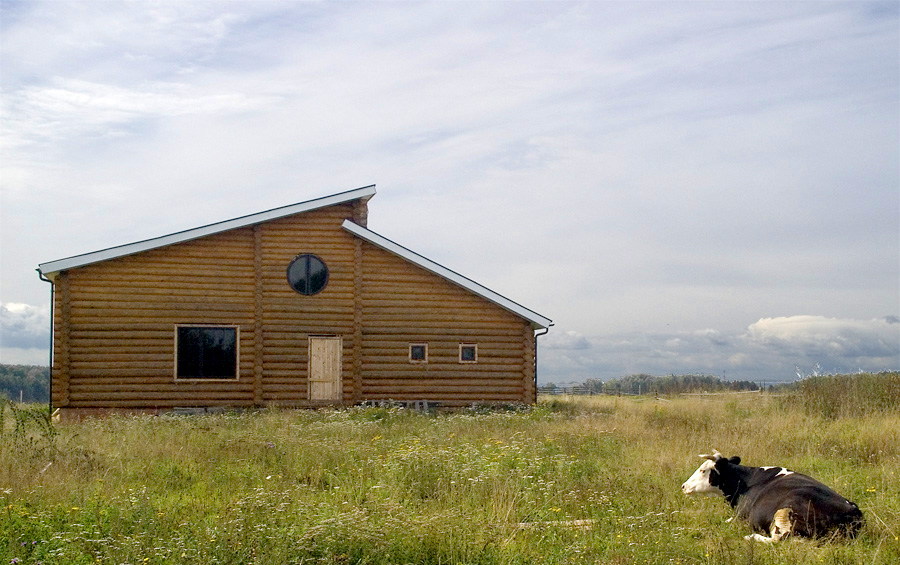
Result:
{"points": [[707, 479]]}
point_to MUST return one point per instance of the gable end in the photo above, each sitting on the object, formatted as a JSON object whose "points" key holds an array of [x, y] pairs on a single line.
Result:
{"points": [[536, 320]]}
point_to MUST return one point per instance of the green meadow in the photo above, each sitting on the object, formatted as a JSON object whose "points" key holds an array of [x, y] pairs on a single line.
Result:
{"points": [[571, 480]]}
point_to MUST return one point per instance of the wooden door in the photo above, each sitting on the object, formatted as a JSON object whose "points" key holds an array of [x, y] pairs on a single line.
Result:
{"points": [[325, 369]]}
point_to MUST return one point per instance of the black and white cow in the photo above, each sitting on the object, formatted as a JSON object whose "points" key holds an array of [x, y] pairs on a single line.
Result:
{"points": [[775, 501]]}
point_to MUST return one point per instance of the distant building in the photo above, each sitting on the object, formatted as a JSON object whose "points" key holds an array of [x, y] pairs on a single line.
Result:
{"points": [[296, 306]]}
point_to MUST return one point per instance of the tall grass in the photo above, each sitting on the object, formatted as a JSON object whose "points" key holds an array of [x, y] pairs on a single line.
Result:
{"points": [[379, 485], [841, 396]]}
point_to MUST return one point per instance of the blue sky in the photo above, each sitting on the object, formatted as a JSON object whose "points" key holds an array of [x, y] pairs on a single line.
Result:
{"points": [[682, 187]]}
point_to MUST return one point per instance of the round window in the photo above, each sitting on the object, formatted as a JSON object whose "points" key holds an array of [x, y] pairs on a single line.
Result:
{"points": [[307, 274]]}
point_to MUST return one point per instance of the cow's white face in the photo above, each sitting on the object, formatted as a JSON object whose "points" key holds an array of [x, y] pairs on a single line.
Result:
{"points": [[699, 481]]}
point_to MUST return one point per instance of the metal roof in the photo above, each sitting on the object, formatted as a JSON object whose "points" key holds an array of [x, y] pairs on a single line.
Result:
{"points": [[537, 321], [51, 268]]}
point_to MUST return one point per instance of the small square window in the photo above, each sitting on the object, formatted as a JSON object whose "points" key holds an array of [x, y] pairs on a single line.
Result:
{"points": [[418, 353], [468, 353]]}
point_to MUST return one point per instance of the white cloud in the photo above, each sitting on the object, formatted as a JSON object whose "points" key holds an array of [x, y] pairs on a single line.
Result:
{"points": [[768, 350], [831, 337], [23, 326], [564, 340], [66, 110], [24, 356]]}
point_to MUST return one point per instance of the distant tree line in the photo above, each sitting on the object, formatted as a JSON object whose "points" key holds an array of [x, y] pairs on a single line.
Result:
{"points": [[650, 384], [30, 382]]}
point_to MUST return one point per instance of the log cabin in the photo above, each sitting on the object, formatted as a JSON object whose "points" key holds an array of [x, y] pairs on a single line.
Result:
{"points": [[299, 306]]}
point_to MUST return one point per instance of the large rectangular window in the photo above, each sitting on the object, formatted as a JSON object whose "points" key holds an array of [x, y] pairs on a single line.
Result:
{"points": [[206, 352]]}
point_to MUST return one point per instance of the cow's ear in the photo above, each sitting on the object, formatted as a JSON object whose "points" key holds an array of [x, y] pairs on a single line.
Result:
{"points": [[735, 460]]}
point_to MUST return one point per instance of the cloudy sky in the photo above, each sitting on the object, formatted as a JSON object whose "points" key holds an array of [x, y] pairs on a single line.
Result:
{"points": [[683, 187]]}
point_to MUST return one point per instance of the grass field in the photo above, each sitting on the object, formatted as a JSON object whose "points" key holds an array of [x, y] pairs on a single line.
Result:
{"points": [[379, 485]]}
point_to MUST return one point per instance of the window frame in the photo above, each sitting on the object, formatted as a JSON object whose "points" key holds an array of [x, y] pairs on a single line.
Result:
{"points": [[308, 257], [422, 361], [474, 347], [237, 352]]}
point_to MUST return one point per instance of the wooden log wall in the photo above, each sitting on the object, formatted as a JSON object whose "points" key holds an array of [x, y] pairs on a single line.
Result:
{"points": [[115, 323], [62, 310], [404, 304], [360, 218], [529, 386], [115, 343], [258, 331], [124, 312], [289, 319]]}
